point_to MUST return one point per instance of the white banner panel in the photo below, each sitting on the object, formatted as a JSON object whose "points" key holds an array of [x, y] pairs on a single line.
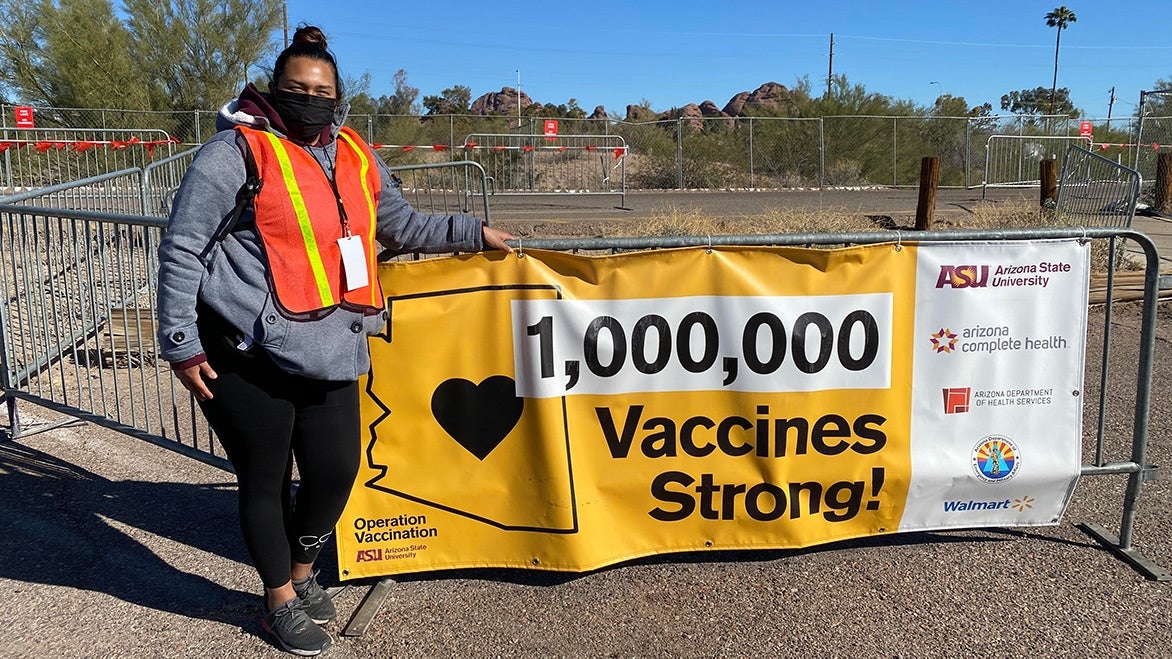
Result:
{"points": [[999, 345]]}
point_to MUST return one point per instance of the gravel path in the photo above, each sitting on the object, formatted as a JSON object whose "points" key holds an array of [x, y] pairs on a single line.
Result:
{"points": [[117, 548]]}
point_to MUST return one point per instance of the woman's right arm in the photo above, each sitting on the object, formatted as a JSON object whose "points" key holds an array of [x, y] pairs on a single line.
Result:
{"points": [[205, 197]]}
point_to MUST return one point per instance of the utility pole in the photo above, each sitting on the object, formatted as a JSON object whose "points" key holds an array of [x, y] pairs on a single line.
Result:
{"points": [[1110, 105], [830, 70], [518, 99]]}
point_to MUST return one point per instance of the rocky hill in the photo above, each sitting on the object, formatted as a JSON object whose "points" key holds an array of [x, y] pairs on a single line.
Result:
{"points": [[770, 99]]}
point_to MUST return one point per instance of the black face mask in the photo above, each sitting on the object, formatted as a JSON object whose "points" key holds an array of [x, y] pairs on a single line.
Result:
{"points": [[305, 115]]}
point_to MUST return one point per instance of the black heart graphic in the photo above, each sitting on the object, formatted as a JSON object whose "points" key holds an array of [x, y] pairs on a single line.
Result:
{"points": [[477, 416]]}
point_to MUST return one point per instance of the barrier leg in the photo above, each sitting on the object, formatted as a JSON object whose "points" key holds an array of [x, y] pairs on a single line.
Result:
{"points": [[1141, 471], [16, 432], [369, 607], [1138, 561], [13, 420]]}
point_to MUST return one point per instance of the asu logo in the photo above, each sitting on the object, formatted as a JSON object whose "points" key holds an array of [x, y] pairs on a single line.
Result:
{"points": [[369, 555], [963, 276]]}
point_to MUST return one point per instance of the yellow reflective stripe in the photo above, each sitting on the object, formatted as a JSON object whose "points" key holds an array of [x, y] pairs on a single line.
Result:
{"points": [[365, 170], [303, 222]]}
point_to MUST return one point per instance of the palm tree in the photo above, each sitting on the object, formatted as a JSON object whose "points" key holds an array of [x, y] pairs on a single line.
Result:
{"points": [[1059, 18]]}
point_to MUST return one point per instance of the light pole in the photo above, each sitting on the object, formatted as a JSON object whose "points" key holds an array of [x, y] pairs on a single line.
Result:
{"points": [[939, 85]]}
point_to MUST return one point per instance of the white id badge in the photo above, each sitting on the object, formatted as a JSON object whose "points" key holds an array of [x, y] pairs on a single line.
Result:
{"points": [[353, 262]]}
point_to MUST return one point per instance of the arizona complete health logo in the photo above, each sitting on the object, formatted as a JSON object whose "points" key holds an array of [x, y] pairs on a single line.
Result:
{"points": [[944, 341], [995, 459], [989, 339]]}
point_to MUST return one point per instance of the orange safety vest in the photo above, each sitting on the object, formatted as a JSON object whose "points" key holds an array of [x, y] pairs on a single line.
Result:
{"points": [[299, 219]]}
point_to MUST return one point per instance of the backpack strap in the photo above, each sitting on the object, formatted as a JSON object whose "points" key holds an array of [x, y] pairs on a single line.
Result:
{"points": [[245, 195]]}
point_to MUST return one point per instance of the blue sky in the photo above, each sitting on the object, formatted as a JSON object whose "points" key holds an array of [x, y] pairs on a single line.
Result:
{"points": [[674, 53]]}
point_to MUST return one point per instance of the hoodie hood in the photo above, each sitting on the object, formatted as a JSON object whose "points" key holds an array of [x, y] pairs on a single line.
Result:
{"points": [[252, 109]]}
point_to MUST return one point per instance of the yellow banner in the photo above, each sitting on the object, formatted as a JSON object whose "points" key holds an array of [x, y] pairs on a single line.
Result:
{"points": [[567, 412]]}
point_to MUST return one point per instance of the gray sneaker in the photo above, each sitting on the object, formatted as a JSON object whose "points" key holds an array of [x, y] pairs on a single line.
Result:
{"points": [[315, 600], [294, 631]]}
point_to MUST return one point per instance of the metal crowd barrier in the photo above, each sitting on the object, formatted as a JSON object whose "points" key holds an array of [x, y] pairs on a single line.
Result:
{"points": [[114, 192], [533, 164], [1096, 191], [1011, 161], [40, 157], [134, 191], [444, 188], [77, 331], [77, 326], [161, 179]]}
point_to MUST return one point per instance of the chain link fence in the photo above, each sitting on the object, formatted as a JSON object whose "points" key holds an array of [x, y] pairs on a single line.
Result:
{"points": [[701, 152], [1154, 132]]}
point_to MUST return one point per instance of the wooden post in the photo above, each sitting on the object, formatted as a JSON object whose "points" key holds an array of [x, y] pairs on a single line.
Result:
{"points": [[1048, 173], [1163, 193], [929, 181]]}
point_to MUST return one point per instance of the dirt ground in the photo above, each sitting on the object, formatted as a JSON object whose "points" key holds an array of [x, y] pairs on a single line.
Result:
{"points": [[556, 216]]}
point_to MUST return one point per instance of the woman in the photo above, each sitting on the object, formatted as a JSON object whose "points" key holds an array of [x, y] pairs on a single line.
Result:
{"points": [[264, 309]]}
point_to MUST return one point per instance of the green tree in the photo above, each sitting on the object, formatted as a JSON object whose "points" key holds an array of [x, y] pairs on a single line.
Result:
{"points": [[1060, 18], [403, 100], [198, 53], [453, 100], [846, 98], [358, 95], [72, 53], [1161, 105], [568, 110], [1034, 101]]}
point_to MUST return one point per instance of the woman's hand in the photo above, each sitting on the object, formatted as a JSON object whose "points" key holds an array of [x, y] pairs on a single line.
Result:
{"points": [[495, 238], [192, 378]]}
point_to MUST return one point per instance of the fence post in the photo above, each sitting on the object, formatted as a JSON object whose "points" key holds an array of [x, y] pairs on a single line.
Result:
{"points": [[680, 153], [929, 182], [7, 156], [1163, 192], [968, 139], [821, 152], [752, 183], [894, 154], [1048, 174]]}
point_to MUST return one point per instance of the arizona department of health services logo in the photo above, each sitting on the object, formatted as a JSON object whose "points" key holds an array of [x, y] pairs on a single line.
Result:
{"points": [[995, 459]]}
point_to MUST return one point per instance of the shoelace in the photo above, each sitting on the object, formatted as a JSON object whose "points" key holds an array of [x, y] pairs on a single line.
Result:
{"points": [[281, 613]]}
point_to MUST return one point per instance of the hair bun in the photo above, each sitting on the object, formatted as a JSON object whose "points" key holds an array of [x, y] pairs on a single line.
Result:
{"points": [[310, 34]]}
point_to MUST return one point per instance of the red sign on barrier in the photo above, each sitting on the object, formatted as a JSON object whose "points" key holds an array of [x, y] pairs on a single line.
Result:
{"points": [[24, 116], [1085, 129], [551, 129]]}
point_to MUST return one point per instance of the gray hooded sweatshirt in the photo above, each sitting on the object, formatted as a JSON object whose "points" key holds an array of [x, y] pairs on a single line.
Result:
{"points": [[230, 276]]}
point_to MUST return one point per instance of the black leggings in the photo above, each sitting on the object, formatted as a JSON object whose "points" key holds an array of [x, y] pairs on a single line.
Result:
{"points": [[264, 418]]}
